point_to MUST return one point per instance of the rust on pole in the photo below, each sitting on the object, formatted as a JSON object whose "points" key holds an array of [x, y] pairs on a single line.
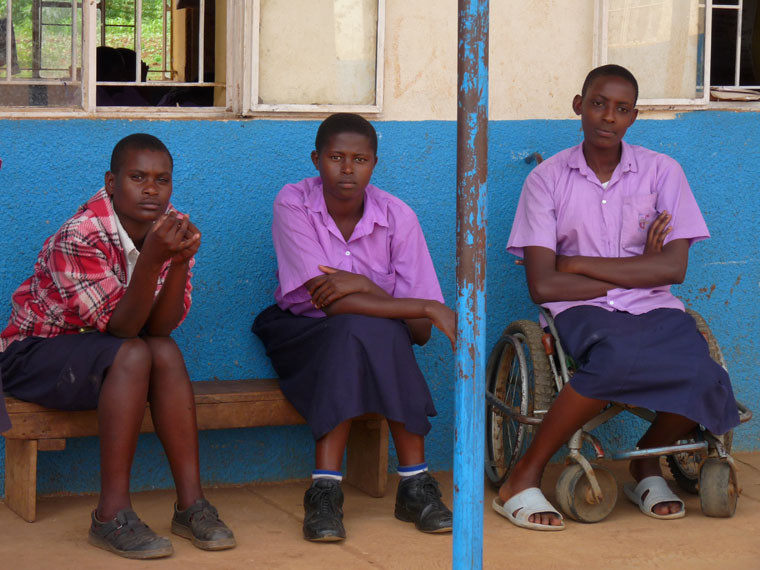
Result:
{"points": [[472, 169]]}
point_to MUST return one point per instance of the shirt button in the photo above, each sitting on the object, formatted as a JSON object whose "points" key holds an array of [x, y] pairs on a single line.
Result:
{"points": [[612, 302], [348, 253], [604, 201]]}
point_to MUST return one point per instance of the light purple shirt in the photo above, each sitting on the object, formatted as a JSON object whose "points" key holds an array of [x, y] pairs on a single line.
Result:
{"points": [[387, 246], [565, 208]]}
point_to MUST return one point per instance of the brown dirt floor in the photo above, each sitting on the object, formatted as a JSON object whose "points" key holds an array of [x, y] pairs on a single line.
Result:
{"points": [[267, 520]]}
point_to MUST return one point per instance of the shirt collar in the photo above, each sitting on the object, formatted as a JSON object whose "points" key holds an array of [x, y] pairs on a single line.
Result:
{"points": [[373, 213], [131, 253], [627, 162]]}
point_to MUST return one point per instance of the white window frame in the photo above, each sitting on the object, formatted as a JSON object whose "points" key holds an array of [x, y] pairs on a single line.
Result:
{"points": [[89, 109], [601, 18], [601, 40], [251, 90]]}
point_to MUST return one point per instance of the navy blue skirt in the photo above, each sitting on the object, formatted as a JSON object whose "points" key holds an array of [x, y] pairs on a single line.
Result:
{"points": [[5, 421], [657, 360], [63, 372], [336, 368]]}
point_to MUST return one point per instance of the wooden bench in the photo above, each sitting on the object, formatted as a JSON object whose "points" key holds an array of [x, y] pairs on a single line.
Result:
{"points": [[220, 404]]}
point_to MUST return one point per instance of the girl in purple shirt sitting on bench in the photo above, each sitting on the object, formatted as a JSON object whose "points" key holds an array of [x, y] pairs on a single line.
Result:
{"points": [[356, 289]]}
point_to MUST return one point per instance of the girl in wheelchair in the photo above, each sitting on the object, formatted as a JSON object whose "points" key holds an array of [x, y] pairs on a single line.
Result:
{"points": [[605, 229]]}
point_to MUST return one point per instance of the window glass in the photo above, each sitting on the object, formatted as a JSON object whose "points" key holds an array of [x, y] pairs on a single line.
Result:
{"points": [[45, 40], [732, 23], [182, 62], [318, 52], [662, 43]]}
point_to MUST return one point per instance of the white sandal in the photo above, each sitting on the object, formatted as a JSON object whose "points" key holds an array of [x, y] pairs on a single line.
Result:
{"points": [[529, 502], [659, 492]]}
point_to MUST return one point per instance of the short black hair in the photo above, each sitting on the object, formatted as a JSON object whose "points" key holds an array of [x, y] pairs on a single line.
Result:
{"points": [[345, 123], [136, 141], [610, 70]]}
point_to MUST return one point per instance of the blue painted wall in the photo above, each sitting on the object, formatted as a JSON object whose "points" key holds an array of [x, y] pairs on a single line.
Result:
{"points": [[227, 174]]}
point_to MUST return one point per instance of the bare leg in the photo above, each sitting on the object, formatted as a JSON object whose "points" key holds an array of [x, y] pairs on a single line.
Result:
{"points": [[172, 407], [409, 446], [121, 407], [568, 413], [666, 429], [331, 447]]}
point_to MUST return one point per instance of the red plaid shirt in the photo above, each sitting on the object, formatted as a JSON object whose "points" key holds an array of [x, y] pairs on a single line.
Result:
{"points": [[79, 278]]}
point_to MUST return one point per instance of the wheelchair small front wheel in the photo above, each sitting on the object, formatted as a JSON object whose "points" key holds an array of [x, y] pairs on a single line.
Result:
{"points": [[576, 498], [718, 488]]}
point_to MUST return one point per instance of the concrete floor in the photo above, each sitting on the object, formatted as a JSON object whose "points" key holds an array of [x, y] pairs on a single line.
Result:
{"points": [[267, 521]]}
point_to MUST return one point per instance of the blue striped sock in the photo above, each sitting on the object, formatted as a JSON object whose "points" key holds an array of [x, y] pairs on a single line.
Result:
{"points": [[326, 474], [409, 470]]}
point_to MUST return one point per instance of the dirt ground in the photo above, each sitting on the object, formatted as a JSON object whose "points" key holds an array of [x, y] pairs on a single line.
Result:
{"points": [[267, 520]]}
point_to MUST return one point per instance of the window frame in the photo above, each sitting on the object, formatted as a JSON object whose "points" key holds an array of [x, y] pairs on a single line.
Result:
{"points": [[601, 18], [251, 90], [601, 39], [90, 110], [242, 70]]}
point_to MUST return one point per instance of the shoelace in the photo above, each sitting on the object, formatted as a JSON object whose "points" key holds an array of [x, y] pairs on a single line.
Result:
{"points": [[325, 504], [430, 489]]}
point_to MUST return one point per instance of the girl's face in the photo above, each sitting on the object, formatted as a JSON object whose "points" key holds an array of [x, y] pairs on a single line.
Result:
{"points": [[345, 165], [607, 110], [140, 190]]}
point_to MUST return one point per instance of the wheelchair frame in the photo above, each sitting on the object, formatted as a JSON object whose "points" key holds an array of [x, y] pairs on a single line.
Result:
{"points": [[525, 371]]}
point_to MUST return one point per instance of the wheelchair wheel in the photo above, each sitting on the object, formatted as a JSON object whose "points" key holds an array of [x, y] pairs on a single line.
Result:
{"points": [[685, 466], [517, 374], [574, 495], [718, 489]]}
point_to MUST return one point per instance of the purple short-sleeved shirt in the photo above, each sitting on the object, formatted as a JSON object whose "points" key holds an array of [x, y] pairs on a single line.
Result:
{"points": [[565, 208], [387, 246]]}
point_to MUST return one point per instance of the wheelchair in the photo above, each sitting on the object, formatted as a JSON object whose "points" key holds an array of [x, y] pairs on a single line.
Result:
{"points": [[526, 369]]}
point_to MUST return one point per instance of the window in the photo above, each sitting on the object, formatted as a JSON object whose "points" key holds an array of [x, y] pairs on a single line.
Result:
{"points": [[317, 55], [40, 53], [665, 42], [207, 57], [735, 51]]}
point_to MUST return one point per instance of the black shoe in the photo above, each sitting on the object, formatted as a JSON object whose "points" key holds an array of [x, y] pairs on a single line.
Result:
{"points": [[127, 536], [323, 511], [418, 500], [200, 523]]}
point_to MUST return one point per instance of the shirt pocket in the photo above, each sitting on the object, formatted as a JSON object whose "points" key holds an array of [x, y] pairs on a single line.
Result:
{"points": [[386, 281], [638, 214]]}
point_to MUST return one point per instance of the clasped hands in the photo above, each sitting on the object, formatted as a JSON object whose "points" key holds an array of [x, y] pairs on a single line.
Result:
{"points": [[173, 236]]}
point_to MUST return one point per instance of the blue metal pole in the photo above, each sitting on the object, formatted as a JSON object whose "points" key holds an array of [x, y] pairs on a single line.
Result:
{"points": [[472, 168]]}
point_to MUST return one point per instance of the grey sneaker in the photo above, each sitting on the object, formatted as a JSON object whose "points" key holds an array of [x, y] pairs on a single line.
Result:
{"points": [[127, 536], [200, 523]]}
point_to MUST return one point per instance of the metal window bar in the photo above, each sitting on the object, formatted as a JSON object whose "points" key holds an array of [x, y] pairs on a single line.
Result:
{"points": [[738, 8], [73, 65], [164, 31], [8, 42], [202, 38], [138, 41]]}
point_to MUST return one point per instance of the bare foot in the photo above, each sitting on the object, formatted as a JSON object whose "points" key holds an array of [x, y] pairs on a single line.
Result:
{"points": [[650, 467]]}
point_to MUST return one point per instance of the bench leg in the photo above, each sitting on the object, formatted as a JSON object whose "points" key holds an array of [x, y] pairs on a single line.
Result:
{"points": [[21, 477], [367, 460]]}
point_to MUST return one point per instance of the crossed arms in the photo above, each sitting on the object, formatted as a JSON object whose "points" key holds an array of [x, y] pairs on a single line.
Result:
{"points": [[339, 292], [554, 277]]}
